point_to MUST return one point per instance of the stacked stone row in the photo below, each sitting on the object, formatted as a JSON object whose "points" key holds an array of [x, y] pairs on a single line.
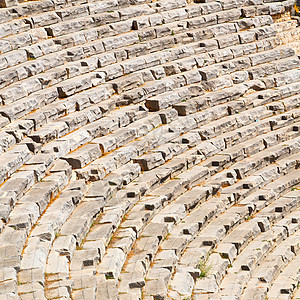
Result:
{"points": [[149, 150]]}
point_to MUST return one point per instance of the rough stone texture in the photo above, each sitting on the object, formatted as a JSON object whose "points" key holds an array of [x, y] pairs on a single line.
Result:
{"points": [[149, 150]]}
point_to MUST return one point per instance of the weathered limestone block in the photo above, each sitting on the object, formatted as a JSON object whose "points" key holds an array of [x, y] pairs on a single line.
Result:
{"points": [[241, 237], [13, 93], [101, 232], [194, 176], [72, 86], [112, 263], [99, 189], [206, 285], [120, 41], [167, 99], [156, 288], [65, 245], [132, 280], [23, 216], [83, 156], [149, 161], [227, 251], [84, 258], [107, 289], [77, 227], [56, 263], [32, 288], [68, 26], [36, 254], [175, 244]]}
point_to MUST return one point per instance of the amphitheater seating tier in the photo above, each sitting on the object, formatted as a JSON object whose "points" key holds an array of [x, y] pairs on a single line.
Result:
{"points": [[149, 150]]}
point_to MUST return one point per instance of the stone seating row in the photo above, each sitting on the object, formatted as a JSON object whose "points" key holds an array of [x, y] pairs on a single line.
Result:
{"points": [[49, 224], [47, 42], [34, 51], [208, 238], [10, 110], [158, 123], [200, 120], [22, 106], [32, 68], [287, 281], [146, 161], [271, 261], [180, 231]]}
